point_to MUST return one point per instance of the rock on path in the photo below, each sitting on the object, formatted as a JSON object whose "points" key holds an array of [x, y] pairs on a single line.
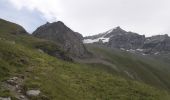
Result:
{"points": [[33, 92]]}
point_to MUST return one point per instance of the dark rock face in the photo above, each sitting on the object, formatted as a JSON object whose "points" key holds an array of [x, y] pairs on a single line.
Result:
{"points": [[157, 44], [127, 41], [115, 32], [69, 40]]}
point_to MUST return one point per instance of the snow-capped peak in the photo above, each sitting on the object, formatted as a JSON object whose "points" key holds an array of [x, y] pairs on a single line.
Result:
{"points": [[102, 37]]}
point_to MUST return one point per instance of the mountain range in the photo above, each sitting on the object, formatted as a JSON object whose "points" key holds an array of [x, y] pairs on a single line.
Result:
{"points": [[56, 63], [130, 41]]}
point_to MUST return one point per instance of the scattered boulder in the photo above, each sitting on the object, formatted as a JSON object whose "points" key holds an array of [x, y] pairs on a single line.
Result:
{"points": [[2, 98], [33, 93], [12, 81], [14, 85], [22, 97]]}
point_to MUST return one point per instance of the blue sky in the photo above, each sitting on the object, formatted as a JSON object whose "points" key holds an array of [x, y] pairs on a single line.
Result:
{"points": [[30, 20], [89, 17]]}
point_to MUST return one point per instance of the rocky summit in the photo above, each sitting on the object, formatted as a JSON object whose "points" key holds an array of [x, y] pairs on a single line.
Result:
{"points": [[69, 40]]}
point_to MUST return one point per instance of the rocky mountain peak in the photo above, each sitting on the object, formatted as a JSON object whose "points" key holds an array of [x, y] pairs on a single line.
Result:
{"points": [[105, 36], [58, 32], [118, 28], [47, 22], [115, 31]]}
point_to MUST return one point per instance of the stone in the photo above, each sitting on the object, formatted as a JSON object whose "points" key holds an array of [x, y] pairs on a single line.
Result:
{"points": [[12, 81], [33, 93], [22, 97], [2, 98], [19, 91], [14, 78]]}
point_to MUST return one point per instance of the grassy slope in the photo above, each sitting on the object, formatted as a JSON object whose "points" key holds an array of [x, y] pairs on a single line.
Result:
{"points": [[8, 27], [142, 68], [60, 80]]}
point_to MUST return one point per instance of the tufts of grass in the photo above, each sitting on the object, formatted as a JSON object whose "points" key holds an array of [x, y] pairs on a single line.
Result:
{"points": [[143, 68]]}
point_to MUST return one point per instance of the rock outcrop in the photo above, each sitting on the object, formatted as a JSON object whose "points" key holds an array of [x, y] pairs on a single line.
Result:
{"points": [[157, 44], [128, 40], [69, 40]]}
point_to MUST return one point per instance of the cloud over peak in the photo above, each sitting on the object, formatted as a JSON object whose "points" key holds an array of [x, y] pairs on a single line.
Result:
{"points": [[94, 16]]}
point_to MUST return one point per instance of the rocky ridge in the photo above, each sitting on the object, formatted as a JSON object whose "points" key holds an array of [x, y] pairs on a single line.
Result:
{"points": [[132, 42]]}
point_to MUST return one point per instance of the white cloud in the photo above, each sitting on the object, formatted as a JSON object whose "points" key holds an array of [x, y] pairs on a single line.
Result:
{"points": [[49, 8], [94, 16]]}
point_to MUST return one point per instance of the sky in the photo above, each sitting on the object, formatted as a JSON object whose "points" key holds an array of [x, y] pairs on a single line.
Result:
{"points": [[89, 17]]}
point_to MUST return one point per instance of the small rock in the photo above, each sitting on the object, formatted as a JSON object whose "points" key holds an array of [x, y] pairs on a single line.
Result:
{"points": [[8, 98], [16, 86], [12, 81], [14, 78], [22, 97], [19, 91], [40, 50], [33, 92]]}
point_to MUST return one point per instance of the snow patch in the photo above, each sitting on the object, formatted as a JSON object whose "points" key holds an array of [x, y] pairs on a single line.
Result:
{"points": [[122, 49], [144, 54], [139, 50], [156, 53], [104, 40]]}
